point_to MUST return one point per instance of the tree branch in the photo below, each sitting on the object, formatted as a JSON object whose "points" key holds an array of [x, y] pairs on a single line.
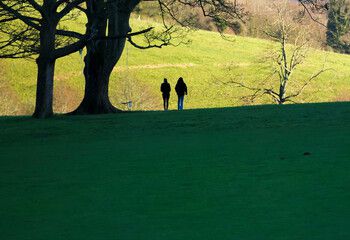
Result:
{"points": [[72, 34], [69, 49], [309, 12], [35, 5], [19, 16], [69, 7], [146, 47]]}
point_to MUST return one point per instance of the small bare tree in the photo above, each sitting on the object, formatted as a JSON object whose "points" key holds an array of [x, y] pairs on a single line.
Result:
{"points": [[285, 60], [133, 94]]}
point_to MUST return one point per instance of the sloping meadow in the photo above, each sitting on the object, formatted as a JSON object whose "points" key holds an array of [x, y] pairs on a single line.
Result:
{"points": [[207, 64]]}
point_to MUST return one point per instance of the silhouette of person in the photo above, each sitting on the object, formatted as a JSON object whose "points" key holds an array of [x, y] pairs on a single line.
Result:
{"points": [[165, 89], [181, 90]]}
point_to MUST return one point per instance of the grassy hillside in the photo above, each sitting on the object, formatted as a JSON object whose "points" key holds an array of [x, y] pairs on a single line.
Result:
{"points": [[206, 62], [266, 172]]}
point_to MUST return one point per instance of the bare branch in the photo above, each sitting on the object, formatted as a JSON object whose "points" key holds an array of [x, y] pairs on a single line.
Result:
{"points": [[16, 14], [35, 5], [306, 83], [72, 34], [69, 49], [146, 47], [69, 7], [309, 12]]}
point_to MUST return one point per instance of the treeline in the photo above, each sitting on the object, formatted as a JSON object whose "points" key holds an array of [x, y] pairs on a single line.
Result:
{"points": [[330, 29]]}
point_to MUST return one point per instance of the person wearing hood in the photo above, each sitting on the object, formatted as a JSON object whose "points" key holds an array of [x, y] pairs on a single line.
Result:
{"points": [[181, 90]]}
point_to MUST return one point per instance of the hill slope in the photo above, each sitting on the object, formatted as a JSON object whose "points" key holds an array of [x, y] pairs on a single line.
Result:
{"points": [[265, 172], [205, 63]]}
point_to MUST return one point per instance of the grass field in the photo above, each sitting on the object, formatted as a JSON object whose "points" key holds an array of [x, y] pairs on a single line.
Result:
{"points": [[265, 172], [203, 64]]}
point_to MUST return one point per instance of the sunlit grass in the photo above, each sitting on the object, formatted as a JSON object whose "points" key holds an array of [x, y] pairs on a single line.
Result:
{"points": [[206, 62]]}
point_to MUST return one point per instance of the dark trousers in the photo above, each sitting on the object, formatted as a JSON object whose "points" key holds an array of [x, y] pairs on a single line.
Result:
{"points": [[166, 101]]}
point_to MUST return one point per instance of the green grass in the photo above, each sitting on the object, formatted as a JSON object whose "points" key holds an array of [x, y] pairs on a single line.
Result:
{"points": [[264, 172], [208, 59]]}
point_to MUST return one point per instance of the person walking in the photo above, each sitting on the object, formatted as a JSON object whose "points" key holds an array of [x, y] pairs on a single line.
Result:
{"points": [[165, 89], [181, 90]]}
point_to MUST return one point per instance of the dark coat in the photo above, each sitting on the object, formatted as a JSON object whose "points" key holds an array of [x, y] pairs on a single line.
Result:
{"points": [[181, 88], [165, 88]]}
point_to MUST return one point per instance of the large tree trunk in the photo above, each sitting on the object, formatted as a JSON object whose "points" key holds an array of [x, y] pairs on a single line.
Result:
{"points": [[97, 71], [44, 92], [46, 70], [103, 52], [99, 64]]}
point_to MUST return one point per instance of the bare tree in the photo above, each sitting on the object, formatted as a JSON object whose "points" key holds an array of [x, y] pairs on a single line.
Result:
{"points": [[32, 28], [134, 94], [286, 59]]}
